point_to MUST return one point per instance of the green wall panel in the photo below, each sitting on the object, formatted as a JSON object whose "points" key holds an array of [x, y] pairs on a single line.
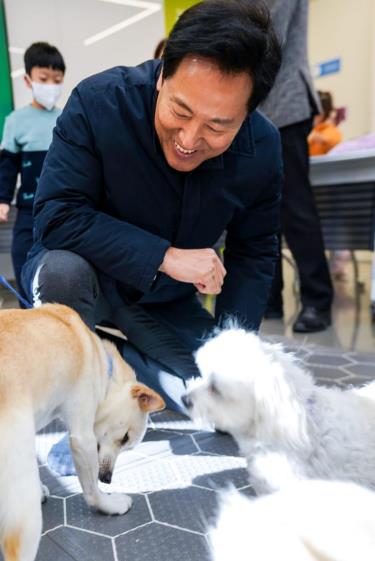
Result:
{"points": [[6, 95], [173, 9]]}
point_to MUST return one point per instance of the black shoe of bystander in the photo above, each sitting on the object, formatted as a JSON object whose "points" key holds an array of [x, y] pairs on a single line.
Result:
{"points": [[310, 320]]}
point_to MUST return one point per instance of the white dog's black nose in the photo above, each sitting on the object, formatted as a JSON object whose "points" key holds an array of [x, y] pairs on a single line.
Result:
{"points": [[186, 400]]}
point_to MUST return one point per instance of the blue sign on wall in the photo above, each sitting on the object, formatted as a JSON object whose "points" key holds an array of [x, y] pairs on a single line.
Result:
{"points": [[328, 67]]}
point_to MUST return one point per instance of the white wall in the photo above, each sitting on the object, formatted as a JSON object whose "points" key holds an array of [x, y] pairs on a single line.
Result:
{"points": [[68, 23], [346, 29]]}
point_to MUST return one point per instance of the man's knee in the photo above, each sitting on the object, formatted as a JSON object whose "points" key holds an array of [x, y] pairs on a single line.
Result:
{"points": [[66, 278]]}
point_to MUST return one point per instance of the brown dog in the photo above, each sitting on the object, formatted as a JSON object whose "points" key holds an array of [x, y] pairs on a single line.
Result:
{"points": [[52, 365]]}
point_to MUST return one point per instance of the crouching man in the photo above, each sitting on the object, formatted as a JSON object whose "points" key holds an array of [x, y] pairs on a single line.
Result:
{"points": [[147, 168]]}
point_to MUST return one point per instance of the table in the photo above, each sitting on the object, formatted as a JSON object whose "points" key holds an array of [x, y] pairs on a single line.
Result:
{"points": [[344, 188]]}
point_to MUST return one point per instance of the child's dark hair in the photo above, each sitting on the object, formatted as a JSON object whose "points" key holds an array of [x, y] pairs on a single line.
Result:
{"points": [[235, 34], [44, 55]]}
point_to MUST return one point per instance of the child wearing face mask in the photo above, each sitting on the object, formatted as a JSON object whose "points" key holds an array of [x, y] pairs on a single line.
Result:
{"points": [[26, 139]]}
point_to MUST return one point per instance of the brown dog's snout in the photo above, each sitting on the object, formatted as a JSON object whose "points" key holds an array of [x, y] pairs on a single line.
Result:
{"points": [[105, 476]]}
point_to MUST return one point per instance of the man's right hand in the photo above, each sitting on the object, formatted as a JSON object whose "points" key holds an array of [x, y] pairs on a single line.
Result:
{"points": [[4, 212], [201, 267]]}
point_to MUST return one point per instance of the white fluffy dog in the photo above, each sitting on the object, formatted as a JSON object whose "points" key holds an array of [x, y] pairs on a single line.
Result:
{"points": [[287, 427], [307, 521]]}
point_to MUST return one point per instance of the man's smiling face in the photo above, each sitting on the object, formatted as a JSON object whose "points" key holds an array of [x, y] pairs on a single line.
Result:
{"points": [[199, 111]]}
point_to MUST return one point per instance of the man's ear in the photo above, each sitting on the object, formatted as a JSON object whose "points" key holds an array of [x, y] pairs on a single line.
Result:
{"points": [[159, 83], [148, 400]]}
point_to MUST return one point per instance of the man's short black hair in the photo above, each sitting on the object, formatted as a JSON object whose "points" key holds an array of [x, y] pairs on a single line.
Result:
{"points": [[44, 55], [237, 35]]}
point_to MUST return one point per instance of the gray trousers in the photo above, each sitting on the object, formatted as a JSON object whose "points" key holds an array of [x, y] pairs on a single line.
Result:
{"points": [[161, 338]]}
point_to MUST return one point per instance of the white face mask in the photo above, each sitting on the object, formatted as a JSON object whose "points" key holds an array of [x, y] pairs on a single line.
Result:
{"points": [[46, 94]]}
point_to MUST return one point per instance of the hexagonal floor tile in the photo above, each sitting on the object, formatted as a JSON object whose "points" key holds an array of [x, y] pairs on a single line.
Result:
{"points": [[68, 544], [53, 513], [365, 358], [210, 470], [237, 477], [191, 508], [327, 359], [129, 459], [217, 443], [152, 475], [355, 381], [161, 443], [157, 541], [81, 516], [299, 351], [364, 370], [326, 372]]}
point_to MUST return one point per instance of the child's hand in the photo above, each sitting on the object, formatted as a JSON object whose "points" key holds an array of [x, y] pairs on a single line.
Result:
{"points": [[4, 211]]}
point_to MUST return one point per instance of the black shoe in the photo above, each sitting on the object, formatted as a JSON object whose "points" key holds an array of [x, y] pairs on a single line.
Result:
{"points": [[273, 313], [311, 319]]}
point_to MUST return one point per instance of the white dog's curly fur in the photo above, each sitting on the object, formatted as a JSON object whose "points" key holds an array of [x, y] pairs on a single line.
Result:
{"points": [[287, 427], [307, 521]]}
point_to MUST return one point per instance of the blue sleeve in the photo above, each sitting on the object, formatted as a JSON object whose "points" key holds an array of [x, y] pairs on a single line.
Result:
{"points": [[9, 140], [68, 213], [251, 250], [10, 161]]}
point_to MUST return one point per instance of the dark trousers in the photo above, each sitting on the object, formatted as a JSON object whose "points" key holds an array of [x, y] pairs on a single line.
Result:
{"points": [[301, 224], [161, 338], [22, 240]]}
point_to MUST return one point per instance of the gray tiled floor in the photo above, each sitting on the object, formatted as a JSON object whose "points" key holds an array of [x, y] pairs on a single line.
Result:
{"points": [[173, 477]]}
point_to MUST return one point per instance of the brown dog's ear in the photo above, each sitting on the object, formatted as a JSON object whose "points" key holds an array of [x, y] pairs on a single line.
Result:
{"points": [[148, 400]]}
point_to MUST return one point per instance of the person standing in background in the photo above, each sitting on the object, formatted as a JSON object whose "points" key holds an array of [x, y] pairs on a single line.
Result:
{"points": [[26, 138], [291, 105]]}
